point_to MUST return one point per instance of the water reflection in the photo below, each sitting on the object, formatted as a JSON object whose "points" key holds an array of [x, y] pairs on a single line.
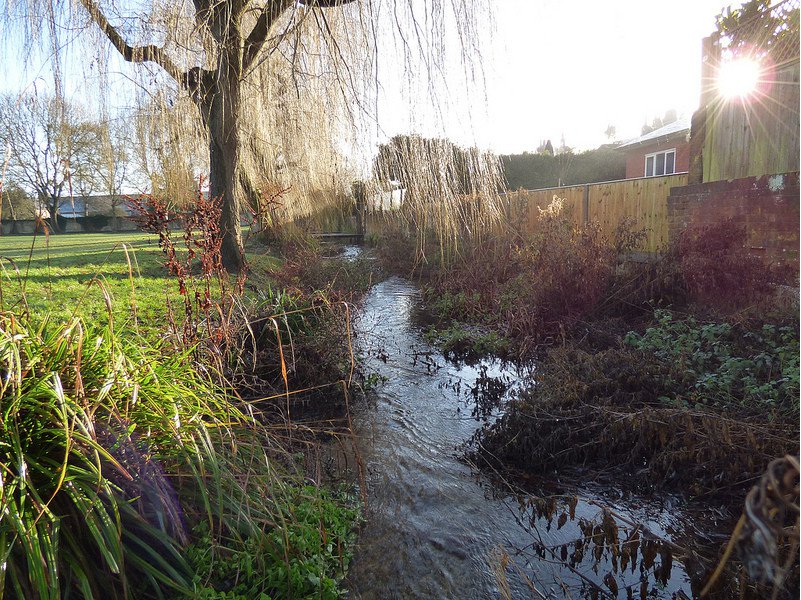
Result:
{"points": [[438, 529]]}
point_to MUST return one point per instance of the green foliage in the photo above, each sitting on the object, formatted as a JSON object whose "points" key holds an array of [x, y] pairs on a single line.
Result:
{"points": [[467, 342], [305, 558], [88, 426], [625, 411], [111, 448], [534, 171], [755, 29], [16, 203], [449, 304], [719, 364]]}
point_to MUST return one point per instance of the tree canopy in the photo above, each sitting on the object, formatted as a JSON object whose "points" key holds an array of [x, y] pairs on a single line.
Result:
{"points": [[54, 150], [760, 28]]}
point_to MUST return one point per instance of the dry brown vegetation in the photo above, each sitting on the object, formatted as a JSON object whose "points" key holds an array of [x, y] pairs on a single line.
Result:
{"points": [[697, 400]]}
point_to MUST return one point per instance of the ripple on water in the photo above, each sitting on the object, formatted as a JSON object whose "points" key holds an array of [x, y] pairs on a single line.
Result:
{"points": [[438, 529]]}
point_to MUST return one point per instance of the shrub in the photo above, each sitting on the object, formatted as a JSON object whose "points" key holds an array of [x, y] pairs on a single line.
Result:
{"points": [[616, 412], [532, 288], [94, 223], [719, 364], [401, 250], [720, 272], [196, 264]]}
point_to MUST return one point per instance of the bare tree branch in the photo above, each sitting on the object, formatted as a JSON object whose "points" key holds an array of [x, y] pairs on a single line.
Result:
{"points": [[135, 54], [258, 35]]}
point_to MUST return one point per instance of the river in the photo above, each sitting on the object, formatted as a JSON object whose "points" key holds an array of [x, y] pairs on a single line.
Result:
{"points": [[438, 528]]}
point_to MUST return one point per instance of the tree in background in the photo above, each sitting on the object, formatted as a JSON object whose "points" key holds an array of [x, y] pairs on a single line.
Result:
{"points": [[52, 149], [421, 164], [757, 29], [448, 189], [17, 204], [168, 150], [113, 168], [272, 65], [545, 147], [671, 116]]}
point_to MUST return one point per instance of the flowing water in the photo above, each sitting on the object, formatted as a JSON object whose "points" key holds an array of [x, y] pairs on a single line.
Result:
{"points": [[437, 528]]}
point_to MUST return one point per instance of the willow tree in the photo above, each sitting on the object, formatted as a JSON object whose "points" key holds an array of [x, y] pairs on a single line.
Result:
{"points": [[213, 51]]}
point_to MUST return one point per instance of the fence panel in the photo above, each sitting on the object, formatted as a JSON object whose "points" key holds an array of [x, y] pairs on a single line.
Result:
{"points": [[644, 200], [757, 136], [524, 205]]}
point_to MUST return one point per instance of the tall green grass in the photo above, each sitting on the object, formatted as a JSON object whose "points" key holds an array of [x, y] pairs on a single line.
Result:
{"points": [[127, 469], [111, 452]]}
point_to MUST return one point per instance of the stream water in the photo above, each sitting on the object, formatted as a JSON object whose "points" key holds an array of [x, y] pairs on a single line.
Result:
{"points": [[438, 528]]}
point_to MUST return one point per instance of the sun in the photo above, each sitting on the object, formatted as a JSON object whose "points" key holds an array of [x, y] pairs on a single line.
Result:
{"points": [[738, 78]]}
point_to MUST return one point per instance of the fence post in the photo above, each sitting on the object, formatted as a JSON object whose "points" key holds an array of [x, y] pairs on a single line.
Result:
{"points": [[710, 59], [585, 208]]}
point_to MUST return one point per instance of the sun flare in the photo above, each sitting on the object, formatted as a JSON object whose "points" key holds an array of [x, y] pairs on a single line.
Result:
{"points": [[738, 78]]}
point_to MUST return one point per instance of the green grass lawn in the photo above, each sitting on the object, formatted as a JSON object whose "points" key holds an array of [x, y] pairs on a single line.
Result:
{"points": [[53, 277]]}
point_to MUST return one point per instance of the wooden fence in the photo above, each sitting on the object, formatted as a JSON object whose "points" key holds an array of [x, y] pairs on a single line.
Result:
{"points": [[759, 135], [642, 200]]}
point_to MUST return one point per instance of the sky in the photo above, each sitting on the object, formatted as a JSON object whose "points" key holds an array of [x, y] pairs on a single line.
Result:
{"points": [[562, 69], [555, 70]]}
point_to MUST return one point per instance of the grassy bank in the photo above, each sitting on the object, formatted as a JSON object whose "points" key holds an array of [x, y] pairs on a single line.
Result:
{"points": [[129, 468], [45, 274]]}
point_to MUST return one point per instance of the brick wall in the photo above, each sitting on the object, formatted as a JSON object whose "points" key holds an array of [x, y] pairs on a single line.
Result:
{"points": [[768, 206], [635, 156]]}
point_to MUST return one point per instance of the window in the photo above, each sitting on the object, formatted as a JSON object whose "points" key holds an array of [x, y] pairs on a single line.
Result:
{"points": [[660, 163]]}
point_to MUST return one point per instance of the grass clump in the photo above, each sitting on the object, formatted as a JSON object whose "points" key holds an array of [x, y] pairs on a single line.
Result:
{"points": [[123, 457], [111, 450], [86, 422], [468, 343]]}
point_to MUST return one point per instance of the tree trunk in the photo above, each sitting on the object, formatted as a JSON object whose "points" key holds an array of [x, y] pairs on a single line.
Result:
{"points": [[223, 124], [52, 208]]}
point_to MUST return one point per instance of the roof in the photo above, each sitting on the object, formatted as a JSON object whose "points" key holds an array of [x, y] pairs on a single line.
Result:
{"points": [[671, 130], [101, 204]]}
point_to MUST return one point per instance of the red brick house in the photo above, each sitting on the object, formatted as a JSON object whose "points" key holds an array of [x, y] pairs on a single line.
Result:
{"points": [[663, 151]]}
